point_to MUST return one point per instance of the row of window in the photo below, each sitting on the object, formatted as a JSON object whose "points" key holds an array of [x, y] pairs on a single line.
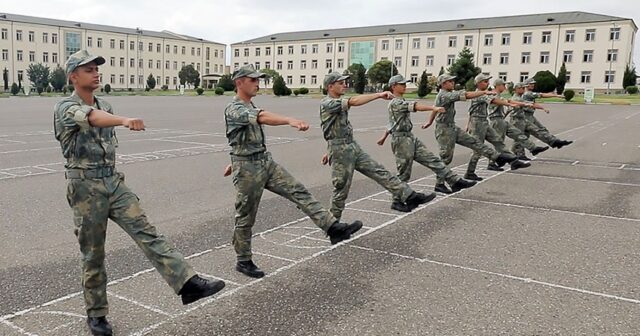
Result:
{"points": [[142, 80], [290, 50], [525, 57], [32, 56]]}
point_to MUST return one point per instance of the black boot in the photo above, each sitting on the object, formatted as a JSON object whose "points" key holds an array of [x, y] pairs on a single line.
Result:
{"points": [[343, 231], [562, 143], [539, 150], [197, 288], [505, 158], [472, 176], [442, 188], [250, 269], [462, 184], [99, 326], [400, 206], [415, 199], [493, 166], [517, 164]]}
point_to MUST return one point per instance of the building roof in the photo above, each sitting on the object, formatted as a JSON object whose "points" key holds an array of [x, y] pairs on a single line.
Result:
{"points": [[111, 29], [438, 26]]}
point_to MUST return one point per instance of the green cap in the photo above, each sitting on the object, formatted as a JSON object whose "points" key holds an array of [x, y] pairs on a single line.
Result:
{"points": [[81, 58], [397, 79], [247, 70], [445, 77], [482, 77], [333, 77], [529, 81], [519, 85], [498, 82]]}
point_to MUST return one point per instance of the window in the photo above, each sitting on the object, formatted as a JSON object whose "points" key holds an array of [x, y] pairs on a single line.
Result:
{"points": [[568, 76], [150, 48], [140, 79], [289, 65], [122, 79], [328, 64], [397, 61], [506, 39], [245, 52], [112, 43], [158, 65], [132, 45], [112, 79], [414, 61], [54, 38], [416, 43], [198, 51], [267, 65], [314, 79], [431, 42], [546, 37], [5, 54], [451, 59], [175, 49], [279, 65], [32, 56], [567, 56], [45, 38], [585, 77], [486, 59], [132, 63], [329, 47], [525, 58], [122, 62], [524, 76], [429, 60], [150, 64], [159, 50], [614, 34], [587, 56], [140, 45], [453, 41], [99, 42], [167, 49], [591, 35], [132, 79], [32, 36], [504, 58], [290, 48], [267, 51], [341, 47], [54, 57], [414, 78], [340, 63], [280, 50], [398, 44], [544, 57], [570, 36], [468, 41], [89, 42], [236, 52], [314, 48], [303, 80], [257, 65], [526, 38], [314, 64], [121, 44], [112, 61], [612, 55], [175, 65], [502, 75], [385, 45], [167, 65], [303, 65], [18, 35], [488, 40], [5, 33], [609, 76]]}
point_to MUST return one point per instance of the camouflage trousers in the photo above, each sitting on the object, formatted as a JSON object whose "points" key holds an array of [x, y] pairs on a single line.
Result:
{"points": [[529, 128], [480, 129], [94, 201], [250, 177], [505, 129], [345, 158], [407, 148], [448, 135]]}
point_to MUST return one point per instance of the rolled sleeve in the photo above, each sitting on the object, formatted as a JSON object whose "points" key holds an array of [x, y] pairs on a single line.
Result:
{"points": [[78, 115], [461, 95], [411, 106], [241, 115], [344, 104]]}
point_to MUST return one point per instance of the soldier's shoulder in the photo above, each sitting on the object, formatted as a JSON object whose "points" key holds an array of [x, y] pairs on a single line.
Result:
{"points": [[104, 104], [65, 103]]}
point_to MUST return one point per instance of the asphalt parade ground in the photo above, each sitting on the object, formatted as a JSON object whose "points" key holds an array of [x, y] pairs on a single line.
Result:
{"points": [[547, 250]]}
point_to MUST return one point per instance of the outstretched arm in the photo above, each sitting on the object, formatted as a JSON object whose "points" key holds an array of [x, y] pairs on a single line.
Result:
{"points": [[432, 117], [100, 118], [421, 107], [383, 138], [274, 119], [363, 99], [539, 107], [550, 95]]}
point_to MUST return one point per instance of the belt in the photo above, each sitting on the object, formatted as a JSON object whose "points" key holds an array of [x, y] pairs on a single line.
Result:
{"points": [[340, 141], [496, 117], [90, 173], [446, 124], [252, 157], [479, 117], [402, 134]]}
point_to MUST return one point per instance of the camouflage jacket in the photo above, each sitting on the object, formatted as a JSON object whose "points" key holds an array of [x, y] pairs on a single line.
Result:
{"points": [[245, 134], [399, 115], [334, 118], [448, 99]]}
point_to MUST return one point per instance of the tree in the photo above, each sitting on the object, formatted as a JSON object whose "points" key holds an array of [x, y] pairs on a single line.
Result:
{"points": [[14, 89], [226, 83], [5, 78], [545, 81], [151, 82], [357, 72], [380, 72], [423, 85], [464, 68], [629, 77], [38, 75], [561, 81], [279, 87], [441, 71], [270, 75], [189, 75], [107, 88], [58, 79]]}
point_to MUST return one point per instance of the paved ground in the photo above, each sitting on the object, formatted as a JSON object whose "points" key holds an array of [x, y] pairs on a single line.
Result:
{"points": [[550, 250]]}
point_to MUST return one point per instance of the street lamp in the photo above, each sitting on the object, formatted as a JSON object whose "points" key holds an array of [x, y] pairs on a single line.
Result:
{"points": [[611, 35]]}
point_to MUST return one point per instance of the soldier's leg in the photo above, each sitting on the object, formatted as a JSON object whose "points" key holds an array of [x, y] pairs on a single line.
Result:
{"points": [[538, 124], [542, 134], [446, 137], [403, 148], [125, 211], [518, 136], [478, 130], [90, 206], [282, 183], [375, 171], [464, 139], [500, 127], [517, 147], [342, 158], [496, 140], [426, 158]]}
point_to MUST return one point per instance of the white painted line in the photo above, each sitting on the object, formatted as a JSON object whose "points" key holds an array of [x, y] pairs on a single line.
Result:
{"points": [[140, 304], [575, 163], [18, 329], [507, 276], [577, 179], [422, 185], [372, 212], [380, 200], [631, 116], [604, 144], [185, 142], [622, 167], [218, 278], [546, 209], [276, 257]]}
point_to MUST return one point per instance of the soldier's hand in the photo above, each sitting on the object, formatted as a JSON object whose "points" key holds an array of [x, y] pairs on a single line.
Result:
{"points": [[380, 141], [439, 109], [299, 124], [227, 171], [546, 111], [386, 95], [134, 124], [426, 125], [324, 160], [490, 92]]}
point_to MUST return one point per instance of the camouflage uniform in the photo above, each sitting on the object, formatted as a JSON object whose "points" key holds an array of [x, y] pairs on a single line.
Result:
{"points": [[254, 170], [448, 134], [504, 129], [530, 97], [407, 148], [480, 129], [520, 121], [96, 192], [345, 156]]}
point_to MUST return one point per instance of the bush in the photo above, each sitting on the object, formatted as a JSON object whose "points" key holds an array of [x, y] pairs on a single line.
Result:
{"points": [[470, 85], [14, 89], [568, 94], [545, 81], [70, 88], [296, 92], [288, 91], [64, 90], [199, 91], [164, 88], [219, 91], [107, 88], [39, 89], [48, 89], [147, 89], [303, 90], [631, 89], [130, 89], [280, 88]]}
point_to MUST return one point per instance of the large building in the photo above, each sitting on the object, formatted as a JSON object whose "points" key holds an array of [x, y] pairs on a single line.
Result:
{"points": [[595, 48], [131, 54]]}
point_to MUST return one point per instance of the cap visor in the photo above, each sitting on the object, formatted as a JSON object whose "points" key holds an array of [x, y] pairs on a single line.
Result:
{"points": [[99, 60]]}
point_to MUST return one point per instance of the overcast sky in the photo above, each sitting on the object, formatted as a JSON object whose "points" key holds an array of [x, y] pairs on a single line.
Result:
{"points": [[234, 21]]}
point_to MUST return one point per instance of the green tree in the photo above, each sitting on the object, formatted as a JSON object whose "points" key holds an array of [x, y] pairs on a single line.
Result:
{"points": [[226, 83], [38, 75], [441, 71], [464, 68], [357, 72], [561, 81], [545, 81], [629, 77], [279, 87], [380, 72], [14, 89], [107, 88], [5, 78], [58, 79], [189, 75], [423, 85], [151, 82], [271, 74]]}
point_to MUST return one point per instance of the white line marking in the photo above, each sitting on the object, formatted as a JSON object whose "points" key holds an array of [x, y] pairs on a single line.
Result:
{"points": [[577, 179], [622, 167], [18, 329], [380, 200], [631, 116], [373, 212], [276, 257], [575, 163], [140, 304]]}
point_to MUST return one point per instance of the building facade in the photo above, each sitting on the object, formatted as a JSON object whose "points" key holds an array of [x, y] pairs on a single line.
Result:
{"points": [[595, 48], [131, 54]]}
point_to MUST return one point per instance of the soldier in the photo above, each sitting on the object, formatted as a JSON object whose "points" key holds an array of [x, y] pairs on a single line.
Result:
{"points": [[345, 154], [526, 125], [254, 170], [84, 125], [478, 127], [448, 134], [404, 144], [504, 128]]}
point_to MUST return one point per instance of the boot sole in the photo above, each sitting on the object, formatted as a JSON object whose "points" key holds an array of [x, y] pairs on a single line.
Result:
{"points": [[429, 198], [357, 225], [455, 190], [250, 274], [526, 165], [187, 299], [540, 151]]}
